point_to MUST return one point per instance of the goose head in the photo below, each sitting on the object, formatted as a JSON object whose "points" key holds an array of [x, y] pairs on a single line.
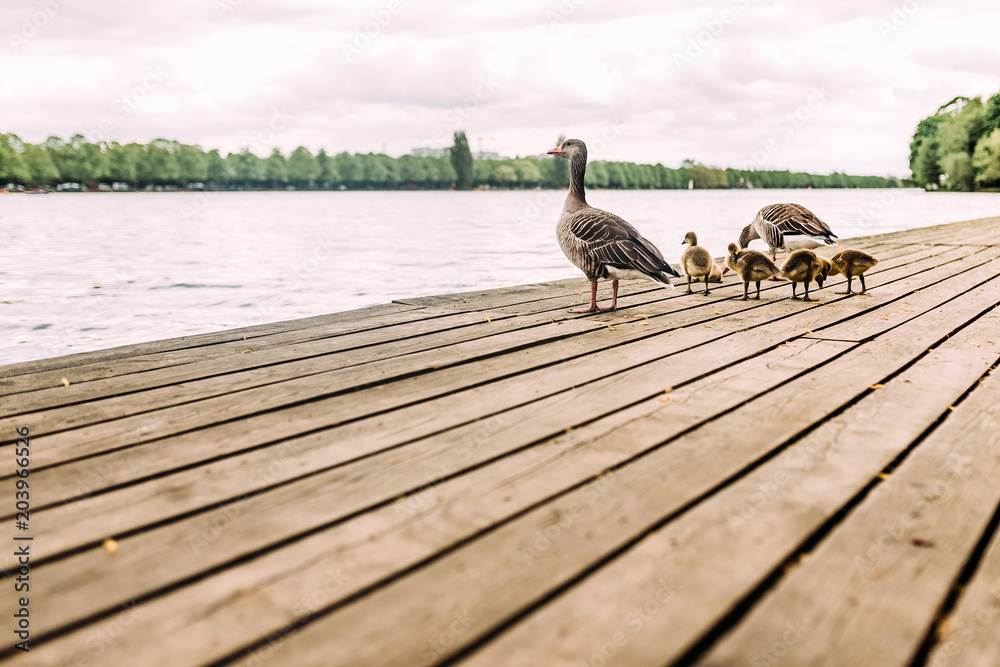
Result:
{"points": [[570, 149], [733, 249], [690, 238]]}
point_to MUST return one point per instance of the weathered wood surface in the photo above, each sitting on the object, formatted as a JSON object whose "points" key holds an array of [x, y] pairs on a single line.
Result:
{"points": [[484, 478]]}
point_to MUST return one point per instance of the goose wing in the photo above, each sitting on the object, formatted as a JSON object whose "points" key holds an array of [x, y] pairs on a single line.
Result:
{"points": [[796, 219], [612, 241]]}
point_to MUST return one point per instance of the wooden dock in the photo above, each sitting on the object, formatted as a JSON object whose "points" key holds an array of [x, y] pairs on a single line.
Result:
{"points": [[486, 479]]}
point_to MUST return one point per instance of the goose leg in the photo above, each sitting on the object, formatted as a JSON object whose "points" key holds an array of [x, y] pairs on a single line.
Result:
{"points": [[758, 291], [689, 285], [746, 287], [793, 291], [849, 290], [592, 308], [706, 285], [614, 296], [863, 288], [806, 297]]}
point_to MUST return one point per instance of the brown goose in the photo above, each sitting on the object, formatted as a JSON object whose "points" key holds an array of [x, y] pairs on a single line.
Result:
{"points": [[853, 263], [788, 227], [751, 266], [802, 266], [599, 243], [697, 262]]}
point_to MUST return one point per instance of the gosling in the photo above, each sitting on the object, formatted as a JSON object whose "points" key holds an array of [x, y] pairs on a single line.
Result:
{"points": [[853, 263], [751, 266], [697, 262], [802, 266], [826, 268]]}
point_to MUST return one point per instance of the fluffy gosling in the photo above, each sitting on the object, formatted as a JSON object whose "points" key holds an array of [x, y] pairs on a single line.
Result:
{"points": [[802, 266], [751, 266], [851, 263], [696, 262]]}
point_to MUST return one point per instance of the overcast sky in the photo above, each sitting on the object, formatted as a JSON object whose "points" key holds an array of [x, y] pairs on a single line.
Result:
{"points": [[814, 86]]}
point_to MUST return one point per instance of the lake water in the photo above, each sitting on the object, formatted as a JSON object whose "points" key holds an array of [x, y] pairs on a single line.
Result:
{"points": [[87, 271]]}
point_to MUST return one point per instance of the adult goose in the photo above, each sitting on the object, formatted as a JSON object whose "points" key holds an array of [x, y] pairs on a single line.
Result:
{"points": [[789, 227], [599, 243]]}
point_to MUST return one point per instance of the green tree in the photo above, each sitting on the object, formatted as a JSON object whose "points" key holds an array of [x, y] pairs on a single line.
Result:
{"points": [[327, 173], [348, 168], [41, 170], [302, 167], [991, 114], [986, 158], [958, 167], [192, 166], [12, 167], [77, 160], [275, 172], [926, 132], [529, 174], [246, 168], [961, 130], [413, 170], [120, 162], [157, 164], [597, 174], [461, 162], [216, 168], [927, 165]]}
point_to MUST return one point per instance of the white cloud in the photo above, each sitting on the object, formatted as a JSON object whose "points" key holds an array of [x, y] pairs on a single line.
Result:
{"points": [[561, 66]]}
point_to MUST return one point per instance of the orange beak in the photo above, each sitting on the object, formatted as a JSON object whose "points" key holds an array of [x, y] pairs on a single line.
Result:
{"points": [[724, 269], [555, 151]]}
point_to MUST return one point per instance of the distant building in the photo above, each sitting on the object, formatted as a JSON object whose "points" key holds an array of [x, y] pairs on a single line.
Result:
{"points": [[425, 151]]}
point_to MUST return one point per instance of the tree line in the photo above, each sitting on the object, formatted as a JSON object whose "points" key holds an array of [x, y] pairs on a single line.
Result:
{"points": [[958, 147], [168, 163]]}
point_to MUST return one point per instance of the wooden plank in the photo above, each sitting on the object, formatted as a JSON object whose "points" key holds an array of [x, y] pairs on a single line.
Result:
{"points": [[494, 578], [187, 374], [118, 467], [966, 276], [197, 340], [143, 562], [906, 543], [764, 317], [683, 579], [968, 638], [370, 480], [251, 367], [342, 334], [102, 437]]}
